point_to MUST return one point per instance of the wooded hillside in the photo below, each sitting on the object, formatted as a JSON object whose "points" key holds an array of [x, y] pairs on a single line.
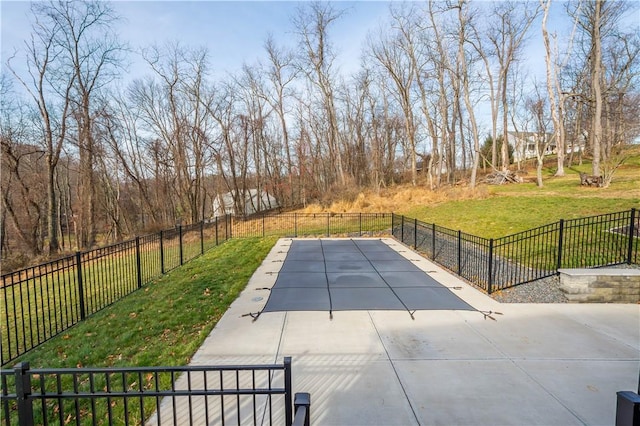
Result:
{"points": [[85, 160]]}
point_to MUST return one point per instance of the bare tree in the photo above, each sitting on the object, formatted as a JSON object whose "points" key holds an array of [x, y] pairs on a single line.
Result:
{"points": [[507, 36], [556, 106], [316, 61], [418, 41], [355, 95], [173, 105], [49, 85], [464, 16], [23, 199], [130, 149], [536, 109], [93, 53], [598, 21], [281, 73], [390, 53], [72, 54], [596, 76], [476, 40]]}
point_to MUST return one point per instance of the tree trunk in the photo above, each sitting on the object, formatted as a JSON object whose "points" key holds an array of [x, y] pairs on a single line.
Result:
{"points": [[596, 70], [552, 84]]}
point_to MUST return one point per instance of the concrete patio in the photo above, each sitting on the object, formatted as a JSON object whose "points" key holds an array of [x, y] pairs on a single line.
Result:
{"points": [[536, 364]]}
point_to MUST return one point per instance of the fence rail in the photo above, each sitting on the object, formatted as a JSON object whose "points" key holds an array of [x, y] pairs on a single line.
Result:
{"points": [[496, 264], [249, 394], [42, 301], [312, 225]]}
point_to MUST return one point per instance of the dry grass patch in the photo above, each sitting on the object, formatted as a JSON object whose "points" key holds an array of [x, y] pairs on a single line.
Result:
{"points": [[397, 199]]}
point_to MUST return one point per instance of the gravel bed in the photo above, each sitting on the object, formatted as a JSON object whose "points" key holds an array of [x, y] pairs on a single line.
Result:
{"points": [[546, 290], [473, 259]]}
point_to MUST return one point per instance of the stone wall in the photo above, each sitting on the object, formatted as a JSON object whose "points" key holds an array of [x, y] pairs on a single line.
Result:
{"points": [[603, 285]]}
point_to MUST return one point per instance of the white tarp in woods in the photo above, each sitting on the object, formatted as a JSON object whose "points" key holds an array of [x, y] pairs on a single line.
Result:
{"points": [[254, 201]]}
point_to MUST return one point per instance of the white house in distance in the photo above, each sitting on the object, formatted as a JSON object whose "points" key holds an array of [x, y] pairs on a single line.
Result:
{"points": [[254, 201], [524, 144]]}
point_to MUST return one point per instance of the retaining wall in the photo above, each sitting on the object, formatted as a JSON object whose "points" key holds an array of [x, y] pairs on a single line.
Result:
{"points": [[602, 285]]}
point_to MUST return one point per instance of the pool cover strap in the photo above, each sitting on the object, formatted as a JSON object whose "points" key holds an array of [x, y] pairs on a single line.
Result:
{"points": [[348, 275]]}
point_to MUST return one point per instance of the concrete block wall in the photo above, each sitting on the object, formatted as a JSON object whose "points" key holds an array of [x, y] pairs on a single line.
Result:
{"points": [[603, 285]]}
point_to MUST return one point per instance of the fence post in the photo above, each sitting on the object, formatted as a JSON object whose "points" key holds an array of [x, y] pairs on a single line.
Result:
{"points": [[23, 391], [162, 252], [216, 231], [393, 223], [228, 227], [288, 409], [415, 234], [138, 262], [360, 233], [83, 312], [631, 234], [263, 229], [393, 231], [433, 241], [402, 229], [295, 225], [459, 252], [302, 400], [328, 218], [180, 243], [202, 237], [490, 278], [560, 241]]}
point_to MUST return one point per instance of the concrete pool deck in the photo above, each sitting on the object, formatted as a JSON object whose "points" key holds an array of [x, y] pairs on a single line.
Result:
{"points": [[537, 364]]}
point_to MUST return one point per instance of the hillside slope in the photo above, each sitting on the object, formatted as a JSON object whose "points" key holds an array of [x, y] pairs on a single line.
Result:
{"points": [[495, 211]]}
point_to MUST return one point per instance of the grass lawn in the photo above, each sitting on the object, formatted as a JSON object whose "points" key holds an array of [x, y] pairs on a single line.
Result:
{"points": [[499, 216], [508, 209], [163, 324], [166, 321]]}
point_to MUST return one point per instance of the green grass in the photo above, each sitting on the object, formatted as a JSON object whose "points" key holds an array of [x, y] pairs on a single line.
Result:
{"points": [[44, 301], [510, 209], [162, 324], [513, 208], [165, 322], [518, 207], [499, 216]]}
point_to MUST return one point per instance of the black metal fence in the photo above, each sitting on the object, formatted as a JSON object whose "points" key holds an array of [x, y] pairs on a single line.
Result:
{"points": [[312, 225], [249, 394], [496, 264], [42, 301]]}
